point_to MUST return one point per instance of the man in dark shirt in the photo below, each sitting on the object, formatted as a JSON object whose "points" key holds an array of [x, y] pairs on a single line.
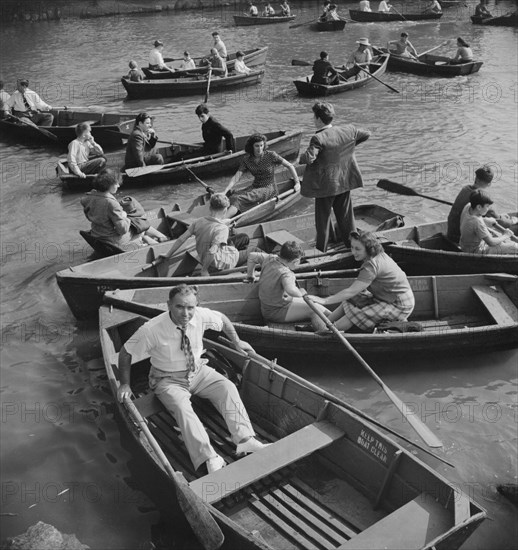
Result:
{"points": [[213, 133], [323, 71]]}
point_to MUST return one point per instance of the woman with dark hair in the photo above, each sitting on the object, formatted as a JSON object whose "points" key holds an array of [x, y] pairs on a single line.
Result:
{"points": [[464, 52], [213, 133], [110, 223], [261, 164], [380, 293], [140, 149]]}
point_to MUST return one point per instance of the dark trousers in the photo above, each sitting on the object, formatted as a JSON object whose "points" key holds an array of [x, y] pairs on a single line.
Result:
{"points": [[39, 118], [240, 241], [343, 208], [153, 158], [93, 166]]}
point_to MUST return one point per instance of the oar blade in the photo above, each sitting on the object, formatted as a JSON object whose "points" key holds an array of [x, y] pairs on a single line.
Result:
{"points": [[394, 187], [300, 63], [204, 526], [143, 170]]}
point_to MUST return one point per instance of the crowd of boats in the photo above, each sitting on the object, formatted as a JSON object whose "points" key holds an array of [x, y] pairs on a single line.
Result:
{"points": [[332, 477]]}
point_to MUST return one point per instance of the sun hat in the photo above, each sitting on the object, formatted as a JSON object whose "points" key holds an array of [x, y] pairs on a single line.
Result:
{"points": [[363, 41]]}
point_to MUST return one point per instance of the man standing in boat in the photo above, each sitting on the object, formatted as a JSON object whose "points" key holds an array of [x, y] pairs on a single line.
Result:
{"points": [[140, 149], [28, 104], [332, 173], [174, 341], [219, 45]]}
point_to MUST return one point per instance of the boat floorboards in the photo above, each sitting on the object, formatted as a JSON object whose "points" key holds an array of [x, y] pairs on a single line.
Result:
{"points": [[301, 505]]}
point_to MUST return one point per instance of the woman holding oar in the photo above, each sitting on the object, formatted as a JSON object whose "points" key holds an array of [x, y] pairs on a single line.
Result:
{"points": [[380, 293]]}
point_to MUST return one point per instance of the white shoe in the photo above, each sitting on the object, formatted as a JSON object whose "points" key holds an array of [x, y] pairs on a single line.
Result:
{"points": [[214, 464], [251, 446]]}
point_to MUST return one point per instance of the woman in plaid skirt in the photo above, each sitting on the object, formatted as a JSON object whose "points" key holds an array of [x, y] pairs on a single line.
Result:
{"points": [[380, 293]]}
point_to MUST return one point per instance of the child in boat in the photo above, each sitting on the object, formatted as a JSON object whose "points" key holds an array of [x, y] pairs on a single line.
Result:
{"points": [[475, 236], [135, 74], [380, 293], [214, 247], [281, 300]]}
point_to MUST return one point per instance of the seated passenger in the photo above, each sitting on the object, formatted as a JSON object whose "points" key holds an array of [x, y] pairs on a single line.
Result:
{"points": [[464, 53], [402, 47], [253, 11], [285, 9], [213, 133], [187, 62], [27, 104], [323, 71], [268, 10], [384, 7], [140, 149], [85, 156], [239, 66], [332, 14], [134, 74], [365, 5]]}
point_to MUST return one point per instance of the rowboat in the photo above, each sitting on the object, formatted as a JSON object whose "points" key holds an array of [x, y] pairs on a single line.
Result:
{"points": [[328, 26], [453, 314], [247, 20], [431, 65], [83, 285], [377, 68], [105, 127], [509, 491], [253, 58], [510, 20], [330, 479], [379, 17], [180, 158], [424, 248], [196, 85]]}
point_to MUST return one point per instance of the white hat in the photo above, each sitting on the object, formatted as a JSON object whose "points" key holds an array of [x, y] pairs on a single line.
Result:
{"points": [[364, 41]]}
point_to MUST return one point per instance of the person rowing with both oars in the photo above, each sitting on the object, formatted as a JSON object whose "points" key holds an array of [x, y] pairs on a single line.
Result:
{"points": [[362, 55], [402, 47], [156, 61], [323, 71]]}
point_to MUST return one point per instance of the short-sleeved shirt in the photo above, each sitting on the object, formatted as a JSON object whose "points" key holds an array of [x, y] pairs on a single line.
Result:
{"points": [[275, 275], [386, 279], [473, 231], [264, 170], [456, 210], [160, 339], [211, 239]]}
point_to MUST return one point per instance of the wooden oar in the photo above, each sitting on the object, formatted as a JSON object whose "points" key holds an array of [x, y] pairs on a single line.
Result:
{"points": [[399, 13], [28, 122], [208, 85], [126, 136], [424, 431], [204, 526], [433, 49], [376, 78], [332, 399], [208, 188], [302, 24]]}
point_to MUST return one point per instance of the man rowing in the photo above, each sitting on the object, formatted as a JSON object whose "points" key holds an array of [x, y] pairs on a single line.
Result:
{"points": [[323, 71], [362, 55], [402, 47], [27, 104], [156, 61]]}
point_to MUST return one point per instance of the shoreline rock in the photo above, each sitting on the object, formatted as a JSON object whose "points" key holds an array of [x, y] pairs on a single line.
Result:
{"points": [[43, 536]]}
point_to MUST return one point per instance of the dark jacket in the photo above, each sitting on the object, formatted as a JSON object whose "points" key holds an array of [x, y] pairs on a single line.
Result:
{"points": [[331, 165], [137, 147], [213, 133], [321, 71]]}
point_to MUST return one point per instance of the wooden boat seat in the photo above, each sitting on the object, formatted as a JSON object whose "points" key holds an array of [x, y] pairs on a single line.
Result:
{"points": [[254, 467], [409, 527], [104, 248], [282, 236], [497, 303]]}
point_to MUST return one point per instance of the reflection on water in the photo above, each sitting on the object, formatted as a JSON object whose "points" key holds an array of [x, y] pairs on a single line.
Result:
{"points": [[64, 459]]}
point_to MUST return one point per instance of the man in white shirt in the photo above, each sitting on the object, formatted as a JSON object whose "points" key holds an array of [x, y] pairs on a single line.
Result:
{"points": [[187, 62], [4, 97], [28, 104], [361, 55], [239, 66], [253, 11], [365, 5], [174, 342], [81, 151], [219, 45], [384, 7], [156, 61]]}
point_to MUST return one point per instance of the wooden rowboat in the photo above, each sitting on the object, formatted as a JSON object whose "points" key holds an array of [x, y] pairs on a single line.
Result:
{"points": [[330, 479], [424, 248], [179, 157], [453, 314], [380, 17], [377, 68], [431, 65], [196, 85], [510, 20], [106, 127], [509, 491], [248, 20], [83, 286], [328, 26], [253, 58]]}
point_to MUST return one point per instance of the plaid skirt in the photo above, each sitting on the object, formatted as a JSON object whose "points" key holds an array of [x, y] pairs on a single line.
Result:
{"points": [[369, 316]]}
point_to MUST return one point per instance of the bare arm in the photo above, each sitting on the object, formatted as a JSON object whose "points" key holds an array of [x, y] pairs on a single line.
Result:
{"points": [[230, 331], [353, 290], [293, 173], [125, 375]]}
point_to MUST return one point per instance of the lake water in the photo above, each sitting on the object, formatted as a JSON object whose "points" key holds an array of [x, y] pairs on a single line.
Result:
{"points": [[64, 460]]}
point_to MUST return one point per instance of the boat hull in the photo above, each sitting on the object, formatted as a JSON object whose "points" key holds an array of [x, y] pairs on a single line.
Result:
{"points": [[377, 17], [247, 21], [432, 65], [502, 21], [328, 26], [176, 87]]}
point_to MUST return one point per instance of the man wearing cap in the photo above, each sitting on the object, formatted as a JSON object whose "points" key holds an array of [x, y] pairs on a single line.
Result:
{"points": [[219, 45], [156, 61], [28, 104], [402, 47], [323, 71], [483, 178], [332, 173]]}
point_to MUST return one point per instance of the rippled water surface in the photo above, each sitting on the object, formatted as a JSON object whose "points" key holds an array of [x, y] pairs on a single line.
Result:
{"points": [[64, 460]]}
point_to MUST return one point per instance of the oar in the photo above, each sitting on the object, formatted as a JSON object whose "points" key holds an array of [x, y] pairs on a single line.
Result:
{"points": [[208, 86], [126, 136], [302, 24], [399, 13], [433, 49], [208, 188], [424, 431], [28, 122], [376, 78], [204, 526], [300, 63], [401, 189], [332, 399]]}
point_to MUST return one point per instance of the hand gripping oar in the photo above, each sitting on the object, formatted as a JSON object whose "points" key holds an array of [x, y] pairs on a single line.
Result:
{"points": [[208, 188], [204, 526], [28, 122], [333, 399], [433, 49], [302, 24], [376, 78], [424, 431]]}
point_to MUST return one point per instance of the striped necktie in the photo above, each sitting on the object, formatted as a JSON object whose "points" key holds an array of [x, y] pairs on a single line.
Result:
{"points": [[26, 103], [185, 346]]}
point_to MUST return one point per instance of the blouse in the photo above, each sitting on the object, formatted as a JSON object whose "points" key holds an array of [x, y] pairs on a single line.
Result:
{"points": [[263, 170]]}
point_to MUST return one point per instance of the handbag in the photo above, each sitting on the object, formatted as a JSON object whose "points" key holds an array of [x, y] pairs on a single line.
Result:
{"points": [[136, 214]]}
